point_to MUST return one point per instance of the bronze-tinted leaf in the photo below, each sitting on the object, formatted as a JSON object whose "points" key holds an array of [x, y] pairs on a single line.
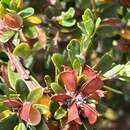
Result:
{"points": [[12, 103], [60, 98], [13, 21], [73, 115], [29, 114], [69, 80], [90, 113], [92, 85], [88, 71]]}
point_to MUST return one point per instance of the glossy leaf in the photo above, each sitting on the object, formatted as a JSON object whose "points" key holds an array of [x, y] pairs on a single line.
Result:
{"points": [[60, 113], [88, 21], [30, 32], [29, 114], [73, 114], [58, 60], [34, 20], [6, 36], [13, 76], [57, 88], [73, 49], [9, 122], [92, 85], [66, 18], [22, 89], [16, 39], [35, 95], [91, 113], [26, 12], [70, 80], [60, 98], [13, 21], [22, 50], [114, 72], [42, 126], [42, 108], [20, 126]]}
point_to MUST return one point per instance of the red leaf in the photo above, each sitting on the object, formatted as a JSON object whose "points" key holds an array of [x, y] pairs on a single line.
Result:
{"points": [[34, 117], [73, 115], [69, 80], [92, 85], [13, 20], [88, 71], [60, 98], [24, 114], [97, 95], [29, 114], [13, 103], [74, 126], [90, 113]]}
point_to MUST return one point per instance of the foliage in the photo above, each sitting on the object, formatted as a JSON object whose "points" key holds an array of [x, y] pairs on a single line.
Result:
{"points": [[64, 64]]}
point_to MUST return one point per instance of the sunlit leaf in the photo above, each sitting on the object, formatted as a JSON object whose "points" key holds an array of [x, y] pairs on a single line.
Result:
{"points": [[6, 36]]}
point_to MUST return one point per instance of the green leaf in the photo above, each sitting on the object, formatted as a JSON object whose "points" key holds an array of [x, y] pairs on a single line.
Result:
{"points": [[98, 21], [73, 49], [42, 126], [42, 108], [66, 18], [26, 12], [114, 72], [60, 113], [20, 126], [9, 122], [58, 60], [22, 89], [53, 106], [16, 39], [13, 76], [34, 95], [88, 21], [4, 88], [6, 36], [22, 50], [47, 79], [57, 88], [2, 10], [104, 64], [30, 32], [34, 20], [67, 23], [77, 65]]}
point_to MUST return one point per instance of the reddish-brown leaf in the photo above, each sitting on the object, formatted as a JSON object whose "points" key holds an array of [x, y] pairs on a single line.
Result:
{"points": [[29, 114], [69, 80], [88, 71], [90, 113], [60, 98], [92, 85], [97, 95], [24, 114], [73, 115], [34, 117], [74, 126], [12, 103], [13, 20]]}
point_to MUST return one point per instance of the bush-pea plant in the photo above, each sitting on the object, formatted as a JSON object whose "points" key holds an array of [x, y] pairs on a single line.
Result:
{"points": [[71, 97]]}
